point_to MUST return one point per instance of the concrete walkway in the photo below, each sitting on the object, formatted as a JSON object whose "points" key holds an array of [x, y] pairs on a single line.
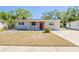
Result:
{"points": [[37, 49], [70, 35]]}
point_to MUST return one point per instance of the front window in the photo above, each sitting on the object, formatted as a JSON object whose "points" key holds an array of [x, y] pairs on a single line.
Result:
{"points": [[33, 23], [51, 23], [21, 23]]}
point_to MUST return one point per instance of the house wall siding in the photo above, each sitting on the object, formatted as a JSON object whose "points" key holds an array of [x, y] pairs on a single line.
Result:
{"points": [[55, 24], [17, 26], [3, 25], [73, 25]]}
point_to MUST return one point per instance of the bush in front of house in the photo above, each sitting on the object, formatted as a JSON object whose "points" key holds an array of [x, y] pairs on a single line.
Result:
{"points": [[47, 30]]}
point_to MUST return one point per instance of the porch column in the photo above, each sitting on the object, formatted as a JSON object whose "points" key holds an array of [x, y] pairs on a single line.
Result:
{"points": [[37, 25]]}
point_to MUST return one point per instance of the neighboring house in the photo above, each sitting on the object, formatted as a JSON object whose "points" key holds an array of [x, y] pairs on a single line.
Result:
{"points": [[31, 24], [73, 25], [2, 24]]}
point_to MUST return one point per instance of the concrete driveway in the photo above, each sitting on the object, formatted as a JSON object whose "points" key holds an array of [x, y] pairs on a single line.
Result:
{"points": [[70, 35]]}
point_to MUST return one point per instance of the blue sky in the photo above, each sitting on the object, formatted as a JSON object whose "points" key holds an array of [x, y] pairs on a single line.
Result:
{"points": [[35, 10]]}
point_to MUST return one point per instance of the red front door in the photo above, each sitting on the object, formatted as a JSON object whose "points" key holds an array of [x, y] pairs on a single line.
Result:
{"points": [[41, 25]]}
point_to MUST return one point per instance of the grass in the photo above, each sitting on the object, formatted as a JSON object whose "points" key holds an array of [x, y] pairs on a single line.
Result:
{"points": [[32, 38], [1, 30]]}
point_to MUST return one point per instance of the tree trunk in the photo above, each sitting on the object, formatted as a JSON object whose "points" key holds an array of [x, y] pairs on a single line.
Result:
{"points": [[64, 24]]}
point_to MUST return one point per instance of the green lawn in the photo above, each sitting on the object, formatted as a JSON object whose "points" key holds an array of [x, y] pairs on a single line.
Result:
{"points": [[32, 38]]}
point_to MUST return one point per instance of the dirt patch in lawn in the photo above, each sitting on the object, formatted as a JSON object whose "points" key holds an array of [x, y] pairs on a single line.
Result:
{"points": [[32, 38]]}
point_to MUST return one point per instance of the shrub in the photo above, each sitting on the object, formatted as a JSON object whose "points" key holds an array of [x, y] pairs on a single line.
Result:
{"points": [[46, 30]]}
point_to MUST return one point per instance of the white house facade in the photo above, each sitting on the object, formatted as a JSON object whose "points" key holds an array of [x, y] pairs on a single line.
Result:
{"points": [[73, 25], [37, 24], [3, 24]]}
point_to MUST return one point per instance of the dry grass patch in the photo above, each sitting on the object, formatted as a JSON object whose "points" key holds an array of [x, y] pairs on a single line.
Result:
{"points": [[33, 38]]}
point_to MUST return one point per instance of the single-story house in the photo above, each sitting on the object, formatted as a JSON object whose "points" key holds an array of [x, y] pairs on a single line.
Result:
{"points": [[3, 24], [33, 24], [73, 25]]}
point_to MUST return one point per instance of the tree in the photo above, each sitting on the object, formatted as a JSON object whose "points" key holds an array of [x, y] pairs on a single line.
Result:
{"points": [[10, 19], [13, 14], [10, 16], [3, 15], [71, 14], [10, 23], [46, 15], [55, 14], [21, 13], [64, 18]]}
